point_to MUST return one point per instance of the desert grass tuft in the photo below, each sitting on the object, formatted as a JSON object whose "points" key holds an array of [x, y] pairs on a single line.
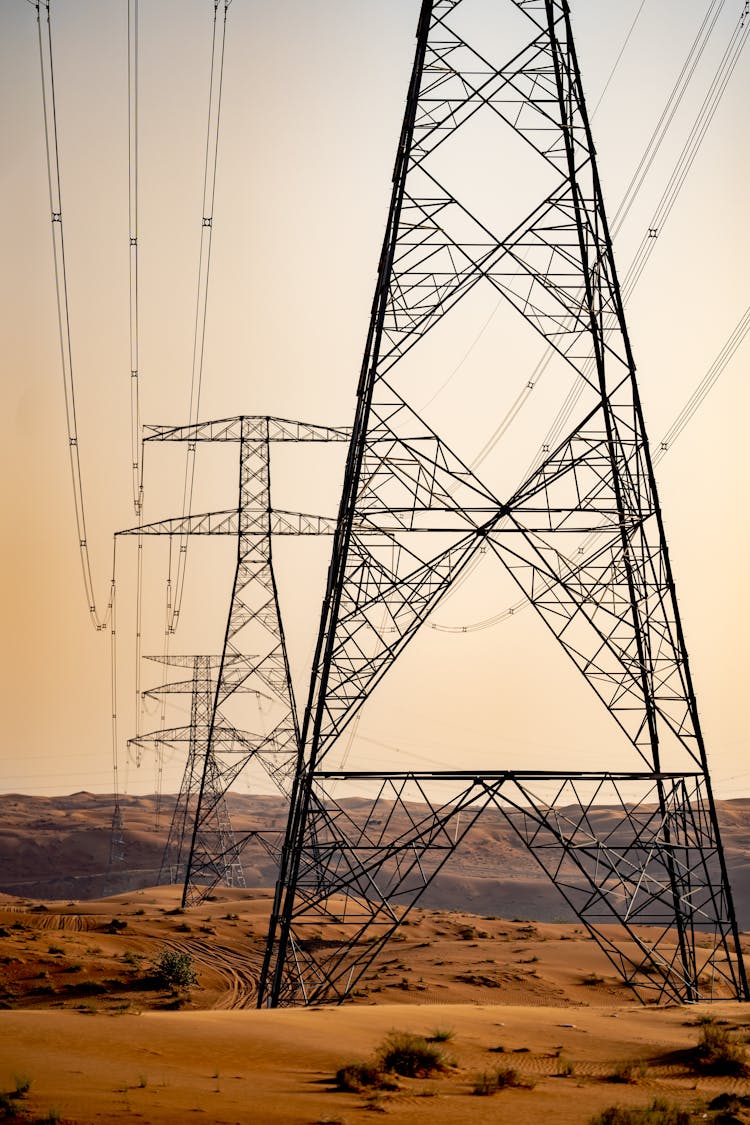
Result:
{"points": [[488, 1082], [484, 1084], [718, 1051], [409, 1055], [630, 1072], [358, 1076], [659, 1112]]}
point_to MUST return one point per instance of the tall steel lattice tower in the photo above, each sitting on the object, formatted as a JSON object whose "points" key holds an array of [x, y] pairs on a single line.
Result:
{"points": [[635, 850]]}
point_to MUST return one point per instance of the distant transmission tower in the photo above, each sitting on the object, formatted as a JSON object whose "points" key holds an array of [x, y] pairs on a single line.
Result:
{"points": [[254, 656], [580, 533], [218, 844]]}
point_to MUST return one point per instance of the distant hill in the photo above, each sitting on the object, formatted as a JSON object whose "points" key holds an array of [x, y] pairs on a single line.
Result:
{"points": [[59, 847]]}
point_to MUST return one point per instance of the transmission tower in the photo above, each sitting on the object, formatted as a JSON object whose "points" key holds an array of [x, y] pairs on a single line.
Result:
{"points": [[254, 655], [635, 850], [218, 842]]}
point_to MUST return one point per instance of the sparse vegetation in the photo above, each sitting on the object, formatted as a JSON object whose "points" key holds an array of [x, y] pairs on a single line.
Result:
{"points": [[441, 1035], [174, 969], [630, 1071], [659, 1112], [508, 1077], [359, 1076], [488, 1082], [9, 1099], [485, 1084], [401, 1053], [719, 1051], [410, 1055], [22, 1085]]}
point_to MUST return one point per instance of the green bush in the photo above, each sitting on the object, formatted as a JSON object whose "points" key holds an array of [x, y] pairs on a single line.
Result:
{"points": [[174, 969]]}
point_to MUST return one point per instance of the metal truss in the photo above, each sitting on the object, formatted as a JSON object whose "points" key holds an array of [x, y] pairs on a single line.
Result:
{"points": [[581, 535], [202, 846], [617, 863], [216, 852]]}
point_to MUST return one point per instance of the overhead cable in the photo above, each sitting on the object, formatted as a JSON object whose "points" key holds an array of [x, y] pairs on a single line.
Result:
{"points": [[44, 29]]}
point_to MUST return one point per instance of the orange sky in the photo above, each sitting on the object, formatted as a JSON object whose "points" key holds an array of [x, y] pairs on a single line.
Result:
{"points": [[312, 105]]}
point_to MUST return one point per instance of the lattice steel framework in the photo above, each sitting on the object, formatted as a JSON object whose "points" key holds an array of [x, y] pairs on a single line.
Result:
{"points": [[218, 846], [581, 535], [254, 655]]}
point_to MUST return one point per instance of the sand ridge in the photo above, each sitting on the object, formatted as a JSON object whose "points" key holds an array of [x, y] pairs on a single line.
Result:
{"points": [[101, 1042]]}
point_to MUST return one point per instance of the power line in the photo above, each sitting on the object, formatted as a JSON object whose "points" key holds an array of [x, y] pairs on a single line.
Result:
{"points": [[52, 151], [632, 191], [685, 416], [218, 43]]}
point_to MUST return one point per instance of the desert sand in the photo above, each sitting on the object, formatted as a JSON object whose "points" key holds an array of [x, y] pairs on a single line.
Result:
{"points": [[100, 1041]]}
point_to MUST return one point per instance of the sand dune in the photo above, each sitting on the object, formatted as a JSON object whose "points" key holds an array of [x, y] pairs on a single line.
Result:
{"points": [[58, 847], [100, 1041]]}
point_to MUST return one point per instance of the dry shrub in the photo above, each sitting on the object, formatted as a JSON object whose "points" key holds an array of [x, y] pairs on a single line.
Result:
{"points": [[402, 1053], [660, 1112], [488, 1082], [629, 1072], [719, 1052], [360, 1076], [410, 1055], [484, 1084]]}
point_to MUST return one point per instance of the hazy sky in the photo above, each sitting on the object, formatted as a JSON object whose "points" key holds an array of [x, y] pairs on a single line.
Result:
{"points": [[313, 98]]}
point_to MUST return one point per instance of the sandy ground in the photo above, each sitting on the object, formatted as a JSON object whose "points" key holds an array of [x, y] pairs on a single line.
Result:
{"points": [[101, 1042], [278, 1066]]}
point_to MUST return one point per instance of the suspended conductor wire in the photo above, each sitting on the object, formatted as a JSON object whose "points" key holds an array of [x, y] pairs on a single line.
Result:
{"points": [[136, 445], [683, 419], [663, 210], [218, 43], [634, 187], [669, 197], [524, 393], [619, 57], [112, 617], [135, 409], [632, 191], [61, 290], [705, 386]]}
